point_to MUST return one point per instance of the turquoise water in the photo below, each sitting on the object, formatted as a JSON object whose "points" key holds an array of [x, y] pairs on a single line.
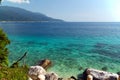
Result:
{"points": [[72, 47]]}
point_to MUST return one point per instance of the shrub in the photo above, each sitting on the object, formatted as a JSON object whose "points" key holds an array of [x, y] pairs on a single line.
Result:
{"points": [[4, 41]]}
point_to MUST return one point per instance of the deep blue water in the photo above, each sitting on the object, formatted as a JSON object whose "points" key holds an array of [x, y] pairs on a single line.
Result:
{"points": [[70, 45], [62, 29]]}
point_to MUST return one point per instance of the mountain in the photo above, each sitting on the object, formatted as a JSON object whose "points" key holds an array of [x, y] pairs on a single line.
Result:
{"points": [[8, 13]]}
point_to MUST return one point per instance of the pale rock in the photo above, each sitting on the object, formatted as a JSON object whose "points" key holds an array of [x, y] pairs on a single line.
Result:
{"points": [[100, 75], [89, 77], [35, 72], [41, 77]]}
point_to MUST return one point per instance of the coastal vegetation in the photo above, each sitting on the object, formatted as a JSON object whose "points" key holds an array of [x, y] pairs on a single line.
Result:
{"points": [[7, 73], [19, 73], [4, 41]]}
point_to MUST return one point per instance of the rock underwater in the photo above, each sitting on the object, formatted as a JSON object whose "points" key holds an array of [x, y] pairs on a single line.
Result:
{"points": [[39, 72], [45, 63]]}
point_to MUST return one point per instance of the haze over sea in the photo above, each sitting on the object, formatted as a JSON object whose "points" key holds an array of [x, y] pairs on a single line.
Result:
{"points": [[72, 46]]}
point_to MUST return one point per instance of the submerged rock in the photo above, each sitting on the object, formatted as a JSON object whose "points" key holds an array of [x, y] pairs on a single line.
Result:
{"points": [[100, 45], [60, 78], [72, 77], [104, 68], [118, 73], [45, 63], [93, 74]]}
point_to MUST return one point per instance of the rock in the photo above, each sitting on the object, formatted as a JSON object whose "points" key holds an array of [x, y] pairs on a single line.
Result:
{"points": [[29, 78], [51, 76], [36, 72], [89, 77], [80, 76], [119, 77], [60, 78], [72, 77], [104, 68], [45, 63], [118, 73], [99, 75], [80, 68], [41, 77]]}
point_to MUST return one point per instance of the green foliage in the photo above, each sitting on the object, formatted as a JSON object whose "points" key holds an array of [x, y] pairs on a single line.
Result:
{"points": [[4, 41], [13, 73]]}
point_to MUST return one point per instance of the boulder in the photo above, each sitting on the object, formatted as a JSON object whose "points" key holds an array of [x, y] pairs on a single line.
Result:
{"points": [[45, 63], [90, 73], [51, 76], [39, 73], [41, 77], [36, 72]]}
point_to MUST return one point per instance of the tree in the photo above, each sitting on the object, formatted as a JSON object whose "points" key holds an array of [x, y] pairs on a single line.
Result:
{"points": [[4, 41], [0, 1]]}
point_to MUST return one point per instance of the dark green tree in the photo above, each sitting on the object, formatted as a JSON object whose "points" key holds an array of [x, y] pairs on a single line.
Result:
{"points": [[4, 41], [0, 1]]}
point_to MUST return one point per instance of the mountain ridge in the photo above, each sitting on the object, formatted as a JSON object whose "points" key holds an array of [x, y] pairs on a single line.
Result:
{"points": [[8, 13]]}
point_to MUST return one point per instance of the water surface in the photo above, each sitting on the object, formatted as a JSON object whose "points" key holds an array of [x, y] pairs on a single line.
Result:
{"points": [[71, 46]]}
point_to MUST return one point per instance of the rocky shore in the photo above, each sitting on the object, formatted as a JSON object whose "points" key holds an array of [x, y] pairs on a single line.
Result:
{"points": [[39, 72]]}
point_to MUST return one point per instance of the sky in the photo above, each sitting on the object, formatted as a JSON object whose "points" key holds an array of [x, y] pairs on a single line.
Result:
{"points": [[72, 10]]}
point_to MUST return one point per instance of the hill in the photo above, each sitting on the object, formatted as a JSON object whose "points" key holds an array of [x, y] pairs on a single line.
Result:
{"points": [[8, 13]]}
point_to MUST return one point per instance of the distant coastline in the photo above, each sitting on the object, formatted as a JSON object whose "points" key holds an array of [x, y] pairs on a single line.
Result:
{"points": [[8, 14], [30, 21]]}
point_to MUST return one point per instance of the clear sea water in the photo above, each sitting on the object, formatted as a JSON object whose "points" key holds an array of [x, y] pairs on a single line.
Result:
{"points": [[71, 46]]}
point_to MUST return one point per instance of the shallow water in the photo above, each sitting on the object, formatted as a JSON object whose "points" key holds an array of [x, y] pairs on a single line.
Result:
{"points": [[72, 47]]}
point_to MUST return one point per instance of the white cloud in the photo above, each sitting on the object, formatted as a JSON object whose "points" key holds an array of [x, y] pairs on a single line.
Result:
{"points": [[19, 1]]}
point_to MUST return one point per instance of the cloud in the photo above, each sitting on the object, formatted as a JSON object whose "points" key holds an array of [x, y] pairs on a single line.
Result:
{"points": [[19, 1]]}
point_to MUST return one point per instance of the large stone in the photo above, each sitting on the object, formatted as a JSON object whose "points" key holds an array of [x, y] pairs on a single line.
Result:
{"points": [[51, 76], [99, 75], [41, 77], [35, 73], [45, 63]]}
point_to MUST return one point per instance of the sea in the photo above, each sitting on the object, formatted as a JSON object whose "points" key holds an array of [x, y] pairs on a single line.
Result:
{"points": [[71, 46]]}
